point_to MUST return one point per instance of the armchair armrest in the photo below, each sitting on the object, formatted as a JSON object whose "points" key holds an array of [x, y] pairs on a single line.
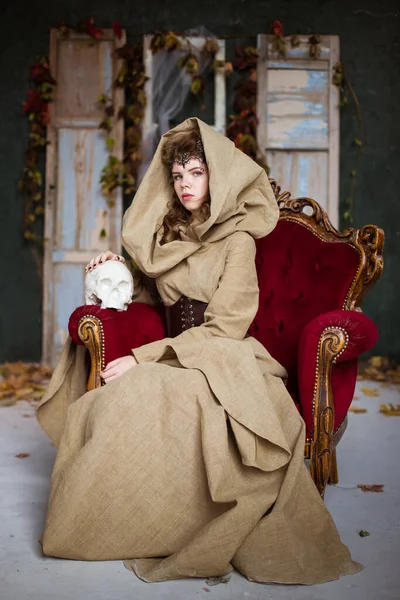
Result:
{"points": [[109, 334], [360, 332], [327, 370], [328, 349]]}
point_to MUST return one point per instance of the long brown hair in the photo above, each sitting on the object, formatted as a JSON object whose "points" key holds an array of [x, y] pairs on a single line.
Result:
{"points": [[177, 145]]}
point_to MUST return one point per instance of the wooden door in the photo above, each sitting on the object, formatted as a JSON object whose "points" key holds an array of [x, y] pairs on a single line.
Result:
{"points": [[78, 221], [298, 112]]}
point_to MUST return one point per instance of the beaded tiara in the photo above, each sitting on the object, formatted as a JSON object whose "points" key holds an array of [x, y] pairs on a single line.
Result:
{"points": [[185, 157]]}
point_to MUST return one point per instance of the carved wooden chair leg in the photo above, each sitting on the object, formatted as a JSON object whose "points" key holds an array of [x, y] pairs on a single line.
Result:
{"points": [[332, 343], [333, 475], [90, 331]]}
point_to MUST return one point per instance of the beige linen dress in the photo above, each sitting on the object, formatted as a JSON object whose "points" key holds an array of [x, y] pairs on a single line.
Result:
{"points": [[191, 463]]}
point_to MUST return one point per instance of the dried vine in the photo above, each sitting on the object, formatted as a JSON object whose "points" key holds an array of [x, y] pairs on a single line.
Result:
{"points": [[279, 41], [347, 92], [36, 107], [169, 41], [242, 128], [131, 77]]}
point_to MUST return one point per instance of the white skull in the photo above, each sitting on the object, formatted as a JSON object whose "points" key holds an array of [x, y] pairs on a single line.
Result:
{"points": [[110, 285]]}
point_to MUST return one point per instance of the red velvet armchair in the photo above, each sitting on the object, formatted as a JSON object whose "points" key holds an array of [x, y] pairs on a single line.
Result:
{"points": [[312, 279]]}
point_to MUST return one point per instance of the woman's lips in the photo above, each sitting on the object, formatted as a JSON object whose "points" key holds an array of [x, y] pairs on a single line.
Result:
{"points": [[187, 196]]}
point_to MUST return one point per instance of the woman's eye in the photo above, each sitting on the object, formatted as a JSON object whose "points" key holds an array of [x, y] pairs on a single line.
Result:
{"points": [[177, 177], [197, 173]]}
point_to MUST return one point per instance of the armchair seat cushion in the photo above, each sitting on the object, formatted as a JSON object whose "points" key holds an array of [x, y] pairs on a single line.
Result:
{"points": [[123, 330]]}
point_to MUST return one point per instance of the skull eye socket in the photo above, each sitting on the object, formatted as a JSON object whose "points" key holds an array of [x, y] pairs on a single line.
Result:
{"points": [[105, 284], [124, 286]]}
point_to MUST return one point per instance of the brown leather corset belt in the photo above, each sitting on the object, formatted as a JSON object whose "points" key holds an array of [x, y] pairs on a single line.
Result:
{"points": [[184, 314]]}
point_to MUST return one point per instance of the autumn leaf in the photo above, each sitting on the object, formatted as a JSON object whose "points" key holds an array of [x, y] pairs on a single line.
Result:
{"points": [[216, 580], [294, 41], [381, 368], [391, 410], [22, 381], [373, 393], [378, 362], [23, 392], [371, 488], [228, 68], [277, 28], [211, 46], [22, 455], [117, 29], [357, 409], [4, 402], [197, 85], [364, 533]]}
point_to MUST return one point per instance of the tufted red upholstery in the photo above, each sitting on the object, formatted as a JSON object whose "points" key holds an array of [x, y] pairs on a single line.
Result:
{"points": [[302, 277], [303, 284]]}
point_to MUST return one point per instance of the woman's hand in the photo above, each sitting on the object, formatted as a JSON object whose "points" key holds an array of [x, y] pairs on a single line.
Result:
{"points": [[102, 258], [118, 367]]}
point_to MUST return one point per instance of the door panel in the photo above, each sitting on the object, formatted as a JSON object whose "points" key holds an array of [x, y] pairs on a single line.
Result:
{"points": [[78, 221]]}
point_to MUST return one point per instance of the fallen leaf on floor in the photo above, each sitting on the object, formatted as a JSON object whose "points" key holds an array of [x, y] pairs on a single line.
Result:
{"points": [[371, 488], [380, 368], [364, 533], [370, 392], [22, 381], [205, 589], [22, 455], [26, 415], [217, 580], [390, 410], [357, 409], [24, 392], [7, 401], [356, 398]]}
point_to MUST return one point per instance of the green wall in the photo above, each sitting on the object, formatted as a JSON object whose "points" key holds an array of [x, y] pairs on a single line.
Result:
{"points": [[370, 48]]}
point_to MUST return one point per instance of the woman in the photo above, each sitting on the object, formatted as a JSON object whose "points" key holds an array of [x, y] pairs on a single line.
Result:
{"points": [[189, 461]]}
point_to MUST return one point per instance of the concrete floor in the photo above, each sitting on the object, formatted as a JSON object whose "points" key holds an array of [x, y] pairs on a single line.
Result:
{"points": [[367, 454]]}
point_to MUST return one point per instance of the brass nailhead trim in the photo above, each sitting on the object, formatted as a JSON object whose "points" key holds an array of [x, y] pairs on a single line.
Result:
{"points": [[102, 348], [331, 328]]}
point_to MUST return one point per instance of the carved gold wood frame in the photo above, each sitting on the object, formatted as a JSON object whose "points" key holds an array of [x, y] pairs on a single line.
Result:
{"points": [[368, 242], [90, 331]]}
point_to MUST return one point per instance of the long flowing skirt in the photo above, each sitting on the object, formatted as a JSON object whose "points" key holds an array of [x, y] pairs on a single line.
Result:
{"points": [[184, 471]]}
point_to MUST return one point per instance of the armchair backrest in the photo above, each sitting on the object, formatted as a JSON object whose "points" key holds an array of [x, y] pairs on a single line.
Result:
{"points": [[306, 268]]}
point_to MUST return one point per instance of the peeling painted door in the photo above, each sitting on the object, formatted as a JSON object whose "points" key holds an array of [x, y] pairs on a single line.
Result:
{"points": [[78, 221], [298, 112]]}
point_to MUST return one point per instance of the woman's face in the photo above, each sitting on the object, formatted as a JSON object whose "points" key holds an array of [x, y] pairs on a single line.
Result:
{"points": [[191, 184]]}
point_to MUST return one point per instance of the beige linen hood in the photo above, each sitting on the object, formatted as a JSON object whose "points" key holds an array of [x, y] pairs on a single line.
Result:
{"points": [[241, 200]]}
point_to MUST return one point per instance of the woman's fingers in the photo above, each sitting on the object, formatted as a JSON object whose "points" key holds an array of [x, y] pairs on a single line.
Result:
{"points": [[102, 258], [118, 367], [89, 266], [113, 363], [118, 257]]}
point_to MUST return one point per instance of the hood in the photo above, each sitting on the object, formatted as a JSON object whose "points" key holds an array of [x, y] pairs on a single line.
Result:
{"points": [[241, 200]]}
